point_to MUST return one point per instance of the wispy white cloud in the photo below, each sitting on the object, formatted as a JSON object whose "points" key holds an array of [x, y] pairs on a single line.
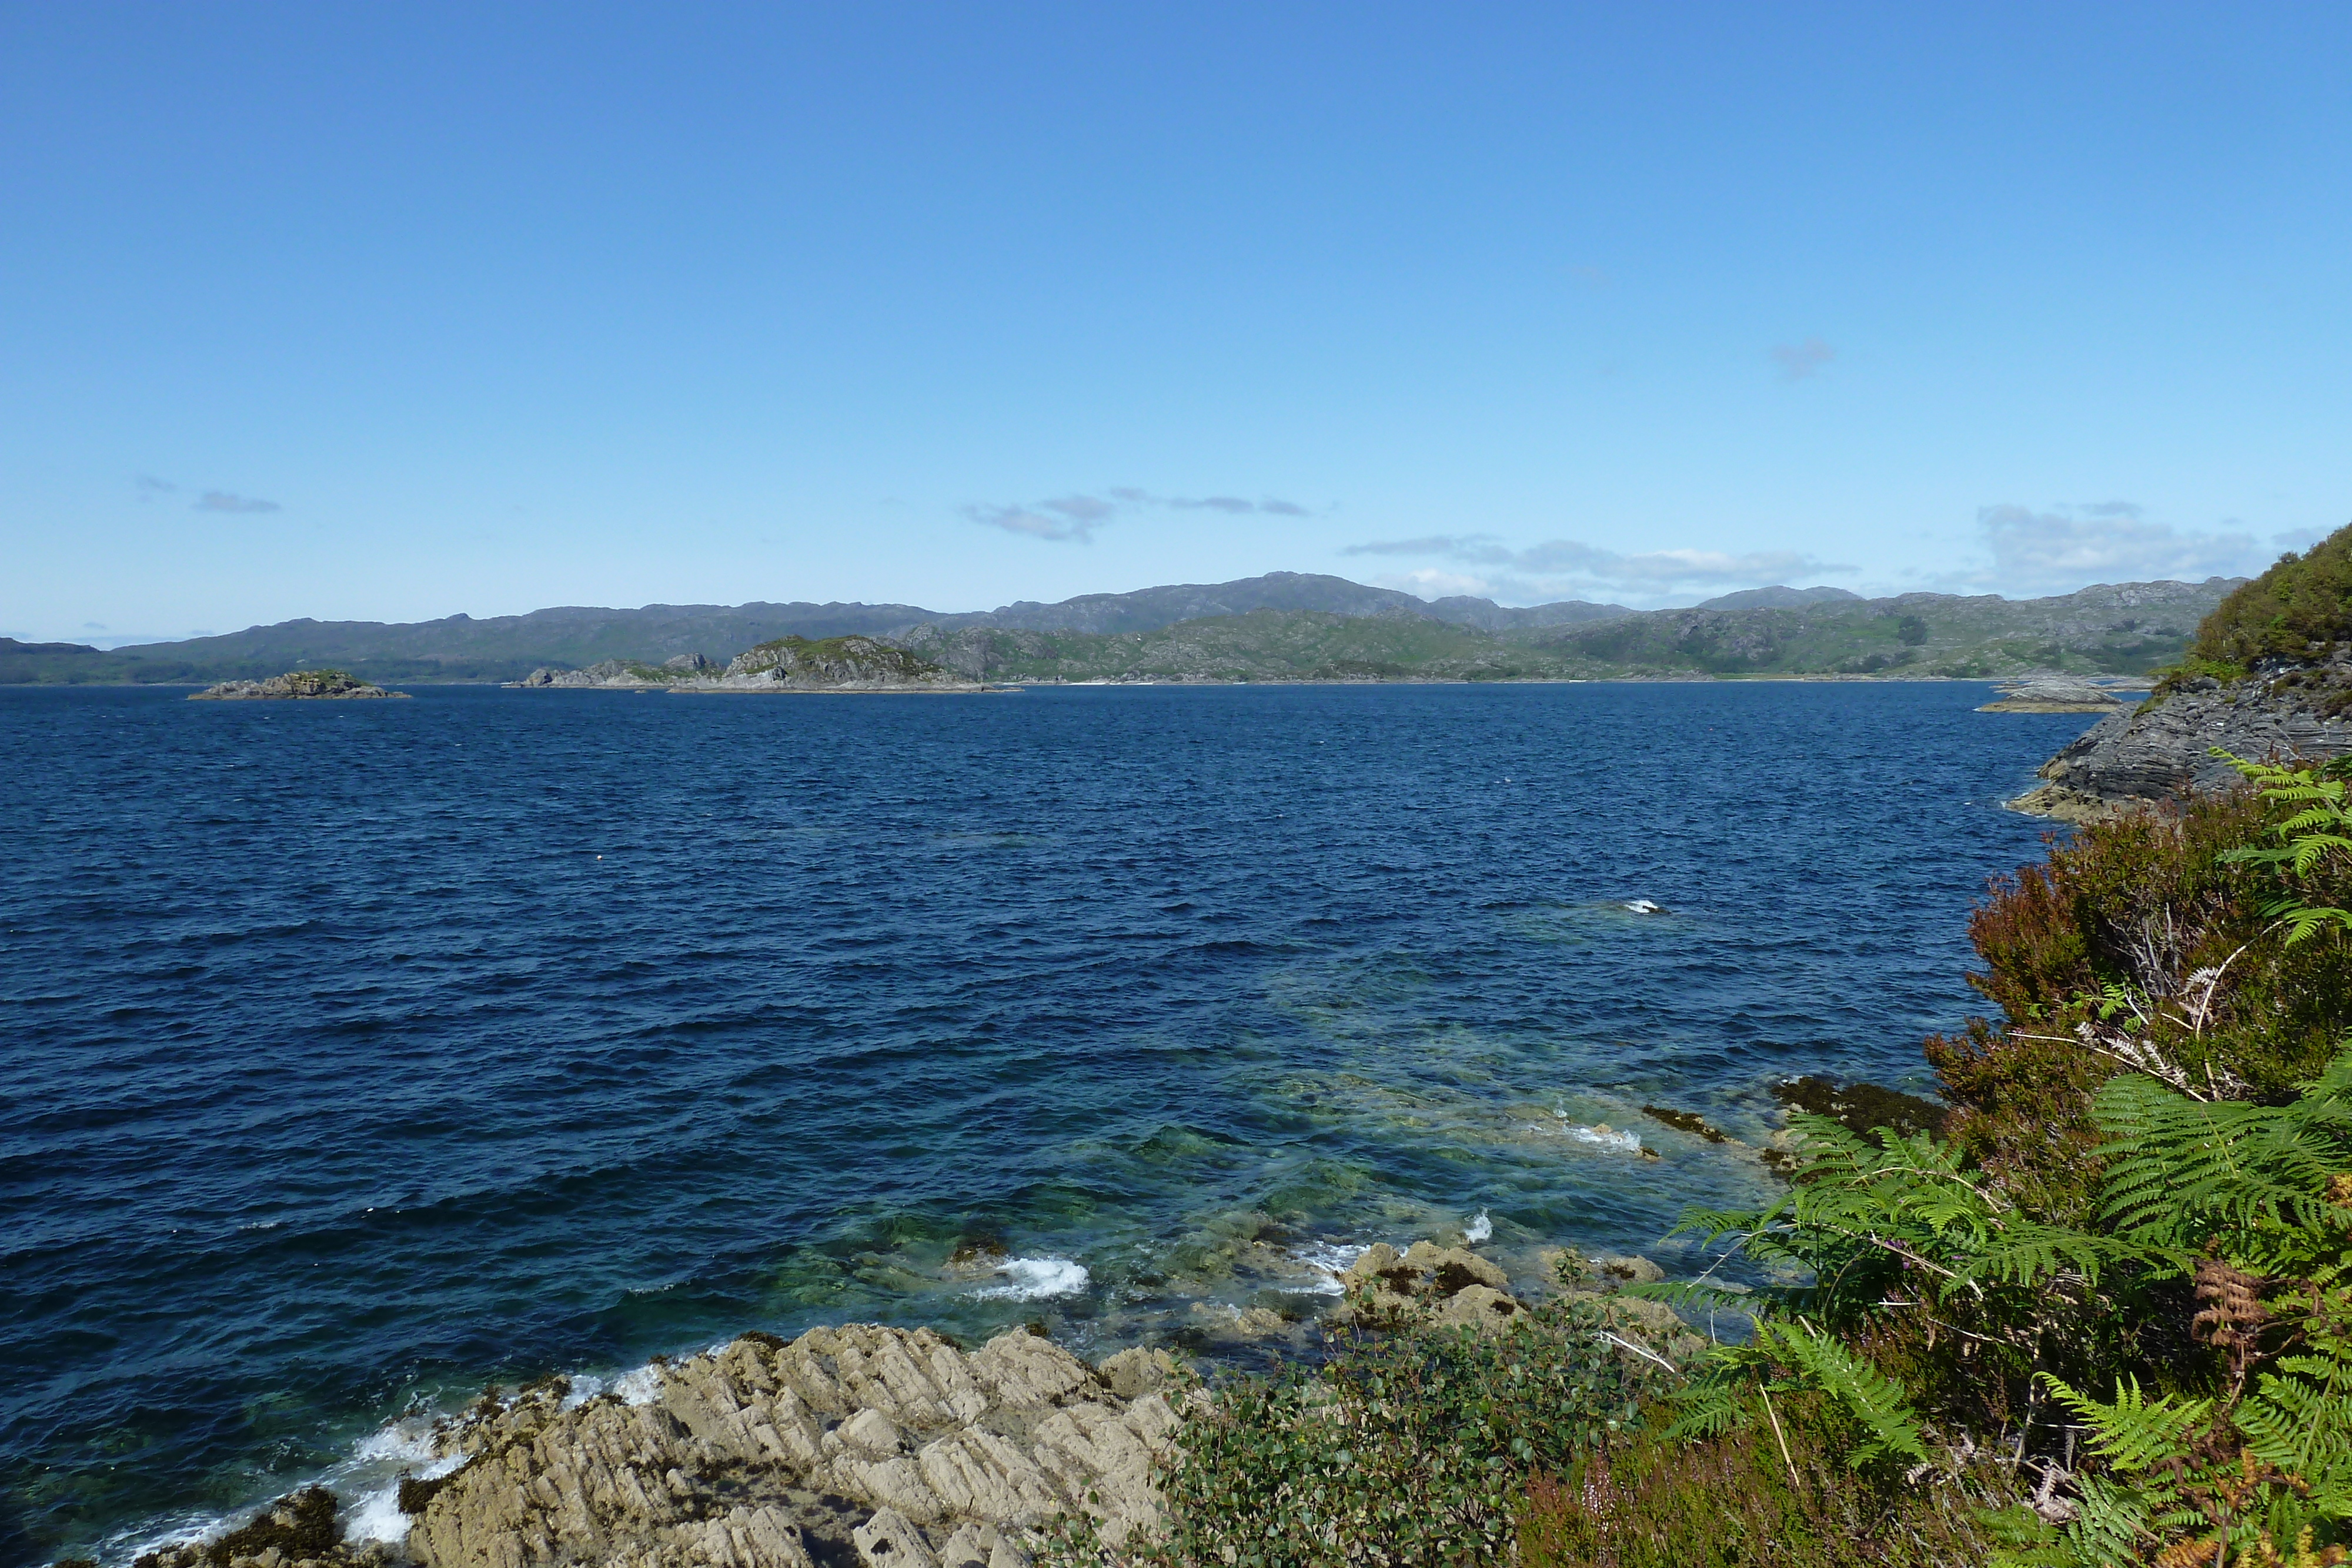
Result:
{"points": [[1076, 517], [1034, 522], [1798, 360], [2066, 546], [1568, 568], [223, 501]]}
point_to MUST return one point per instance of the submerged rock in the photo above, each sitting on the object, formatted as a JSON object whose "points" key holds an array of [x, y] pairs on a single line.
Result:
{"points": [[1861, 1107], [891, 1445], [335, 684]]}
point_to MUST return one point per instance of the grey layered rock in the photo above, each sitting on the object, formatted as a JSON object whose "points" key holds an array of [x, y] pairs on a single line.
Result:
{"points": [[894, 1444], [2129, 759]]}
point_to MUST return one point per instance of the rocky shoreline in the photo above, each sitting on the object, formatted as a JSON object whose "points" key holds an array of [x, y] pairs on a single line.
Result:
{"points": [[856, 1446], [787, 664], [2128, 760]]}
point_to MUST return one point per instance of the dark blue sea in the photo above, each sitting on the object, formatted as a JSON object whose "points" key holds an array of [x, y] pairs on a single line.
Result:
{"points": [[355, 1055]]}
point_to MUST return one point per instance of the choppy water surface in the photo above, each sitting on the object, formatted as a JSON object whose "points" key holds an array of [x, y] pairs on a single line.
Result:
{"points": [[358, 1054]]}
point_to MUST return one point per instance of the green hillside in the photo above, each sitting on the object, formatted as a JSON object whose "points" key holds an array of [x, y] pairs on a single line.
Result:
{"points": [[2128, 629]]}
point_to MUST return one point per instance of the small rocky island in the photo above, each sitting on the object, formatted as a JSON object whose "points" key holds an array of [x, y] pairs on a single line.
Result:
{"points": [[2268, 675], [852, 663], [2053, 695], [332, 685]]}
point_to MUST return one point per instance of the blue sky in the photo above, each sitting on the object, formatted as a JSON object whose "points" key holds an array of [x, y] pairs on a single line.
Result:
{"points": [[391, 311]]}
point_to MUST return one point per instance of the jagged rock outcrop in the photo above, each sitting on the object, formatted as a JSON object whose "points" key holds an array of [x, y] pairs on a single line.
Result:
{"points": [[2129, 759], [890, 1444], [325, 683]]}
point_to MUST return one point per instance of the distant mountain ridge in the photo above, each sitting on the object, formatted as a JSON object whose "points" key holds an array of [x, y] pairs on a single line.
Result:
{"points": [[1282, 625], [1777, 598], [507, 647]]}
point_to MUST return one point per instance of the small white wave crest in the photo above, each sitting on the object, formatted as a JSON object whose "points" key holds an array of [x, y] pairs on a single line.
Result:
{"points": [[1036, 1280], [1330, 1260], [1479, 1229]]}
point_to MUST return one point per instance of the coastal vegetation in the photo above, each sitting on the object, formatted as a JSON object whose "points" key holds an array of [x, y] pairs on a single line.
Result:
{"points": [[2300, 609], [2095, 1313], [1415, 1446]]}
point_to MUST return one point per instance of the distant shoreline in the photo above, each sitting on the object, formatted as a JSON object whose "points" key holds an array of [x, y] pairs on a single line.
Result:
{"points": [[2133, 683]]}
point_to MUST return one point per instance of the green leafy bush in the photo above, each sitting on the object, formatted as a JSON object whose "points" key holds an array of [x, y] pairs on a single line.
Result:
{"points": [[1402, 1448], [2299, 608]]}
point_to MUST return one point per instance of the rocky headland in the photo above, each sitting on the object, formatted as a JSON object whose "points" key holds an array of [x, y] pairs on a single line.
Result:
{"points": [[2268, 676], [303, 684], [851, 663]]}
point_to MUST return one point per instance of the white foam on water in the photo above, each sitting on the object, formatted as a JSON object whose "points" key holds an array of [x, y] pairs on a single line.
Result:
{"points": [[642, 1386], [1479, 1229], [368, 1480], [1330, 1259], [131, 1545], [409, 1440], [1036, 1280], [1606, 1137]]}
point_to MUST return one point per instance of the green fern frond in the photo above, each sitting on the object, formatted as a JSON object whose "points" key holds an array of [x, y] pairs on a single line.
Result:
{"points": [[2297, 1428], [1880, 1403], [2134, 1432], [2111, 1520], [1709, 1409]]}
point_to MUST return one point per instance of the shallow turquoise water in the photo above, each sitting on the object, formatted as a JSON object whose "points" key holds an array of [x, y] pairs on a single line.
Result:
{"points": [[361, 1053]]}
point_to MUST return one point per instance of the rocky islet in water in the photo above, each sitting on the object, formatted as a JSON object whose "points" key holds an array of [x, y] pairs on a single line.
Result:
{"points": [[297, 684]]}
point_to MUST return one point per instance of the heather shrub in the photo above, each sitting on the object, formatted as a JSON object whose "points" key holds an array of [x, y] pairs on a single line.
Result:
{"points": [[2139, 945], [1777, 1494]]}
